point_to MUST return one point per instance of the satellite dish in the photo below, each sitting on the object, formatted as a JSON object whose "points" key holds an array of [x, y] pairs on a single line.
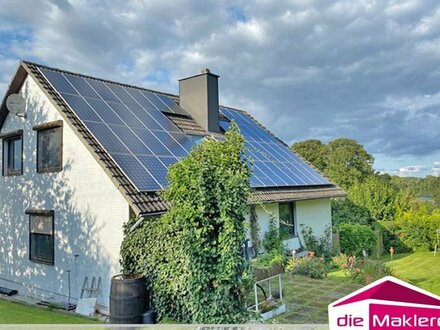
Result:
{"points": [[16, 104]]}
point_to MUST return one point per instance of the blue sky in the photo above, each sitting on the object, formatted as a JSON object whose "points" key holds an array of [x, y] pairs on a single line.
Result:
{"points": [[367, 70]]}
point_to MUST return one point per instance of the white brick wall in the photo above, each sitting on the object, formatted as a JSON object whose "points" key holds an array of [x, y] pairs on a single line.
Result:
{"points": [[316, 214], [89, 212]]}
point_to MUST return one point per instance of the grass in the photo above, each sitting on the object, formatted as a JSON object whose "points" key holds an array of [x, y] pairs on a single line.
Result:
{"points": [[307, 299], [17, 313], [421, 269]]}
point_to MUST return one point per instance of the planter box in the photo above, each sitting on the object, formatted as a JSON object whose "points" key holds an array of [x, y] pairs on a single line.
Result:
{"points": [[261, 274], [274, 312]]}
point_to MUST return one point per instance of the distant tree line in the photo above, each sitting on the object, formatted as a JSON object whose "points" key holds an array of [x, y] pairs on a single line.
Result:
{"points": [[390, 203]]}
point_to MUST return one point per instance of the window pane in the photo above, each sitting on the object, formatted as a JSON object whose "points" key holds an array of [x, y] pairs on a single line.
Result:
{"points": [[17, 155], [287, 223], [13, 156], [40, 224], [285, 213], [5, 157], [10, 156], [49, 149], [41, 248]]}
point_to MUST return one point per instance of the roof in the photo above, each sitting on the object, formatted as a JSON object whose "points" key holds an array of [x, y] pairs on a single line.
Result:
{"points": [[143, 201], [295, 194], [391, 289]]}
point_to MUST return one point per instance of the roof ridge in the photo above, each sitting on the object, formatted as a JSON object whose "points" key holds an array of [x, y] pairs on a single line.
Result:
{"points": [[113, 82], [97, 78]]}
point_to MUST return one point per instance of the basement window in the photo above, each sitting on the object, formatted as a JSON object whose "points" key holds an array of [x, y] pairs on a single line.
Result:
{"points": [[41, 236], [287, 220], [13, 154], [49, 147]]}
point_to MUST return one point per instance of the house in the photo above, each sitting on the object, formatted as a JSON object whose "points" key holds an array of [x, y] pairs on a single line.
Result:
{"points": [[386, 304], [86, 154]]}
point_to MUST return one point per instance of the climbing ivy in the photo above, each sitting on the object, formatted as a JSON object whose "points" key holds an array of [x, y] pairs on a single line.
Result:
{"points": [[193, 255], [254, 229]]}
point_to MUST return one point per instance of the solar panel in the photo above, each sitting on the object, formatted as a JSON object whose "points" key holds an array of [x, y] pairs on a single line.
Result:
{"points": [[154, 165], [83, 88], [107, 138], [104, 111], [169, 142], [82, 108], [59, 82], [137, 173], [102, 90], [172, 106], [274, 163], [128, 123]]}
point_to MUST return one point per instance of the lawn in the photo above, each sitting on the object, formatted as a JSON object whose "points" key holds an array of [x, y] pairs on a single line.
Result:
{"points": [[16, 313], [421, 269], [307, 299]]}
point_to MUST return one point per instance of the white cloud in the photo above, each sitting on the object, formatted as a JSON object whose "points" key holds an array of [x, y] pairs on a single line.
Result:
{"points": [[436, 169], [412, 170], [414, 103]]}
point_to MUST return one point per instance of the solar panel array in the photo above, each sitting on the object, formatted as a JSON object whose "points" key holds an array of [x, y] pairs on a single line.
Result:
{"points": [[129, 123], [274, 164]]}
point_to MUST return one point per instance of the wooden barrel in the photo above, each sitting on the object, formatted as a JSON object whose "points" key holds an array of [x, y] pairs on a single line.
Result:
{"points": [[128, 299]]}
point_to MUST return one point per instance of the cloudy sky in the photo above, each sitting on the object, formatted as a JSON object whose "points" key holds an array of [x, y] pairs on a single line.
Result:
{"points": [[364, 69]]}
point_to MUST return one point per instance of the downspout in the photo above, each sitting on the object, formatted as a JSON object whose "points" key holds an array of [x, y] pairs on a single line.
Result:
{"points": [[141, 219]]}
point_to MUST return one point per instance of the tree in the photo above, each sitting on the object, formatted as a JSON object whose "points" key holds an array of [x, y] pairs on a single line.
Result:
{"points": [[193, 255], [343, 160], [375, 195], [348, 162], [314, 151], [432, 187]]}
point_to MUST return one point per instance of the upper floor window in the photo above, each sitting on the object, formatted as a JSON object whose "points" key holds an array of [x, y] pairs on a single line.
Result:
{"points": [[13, 153], [287, 219], [49, 147]]}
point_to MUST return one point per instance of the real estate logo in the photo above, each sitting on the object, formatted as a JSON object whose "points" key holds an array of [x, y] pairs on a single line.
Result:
{"points": [[388, 303]]}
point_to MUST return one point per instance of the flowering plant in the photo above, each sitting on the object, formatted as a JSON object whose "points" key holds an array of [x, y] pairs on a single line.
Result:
{"points": [[365, 271]]}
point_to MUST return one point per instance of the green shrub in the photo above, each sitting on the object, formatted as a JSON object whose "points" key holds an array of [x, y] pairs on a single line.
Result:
{"points": [[355, 238], [275, 252], [272, 240], [320, 245], [313, 267], [365, 271], [269, 259]]}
